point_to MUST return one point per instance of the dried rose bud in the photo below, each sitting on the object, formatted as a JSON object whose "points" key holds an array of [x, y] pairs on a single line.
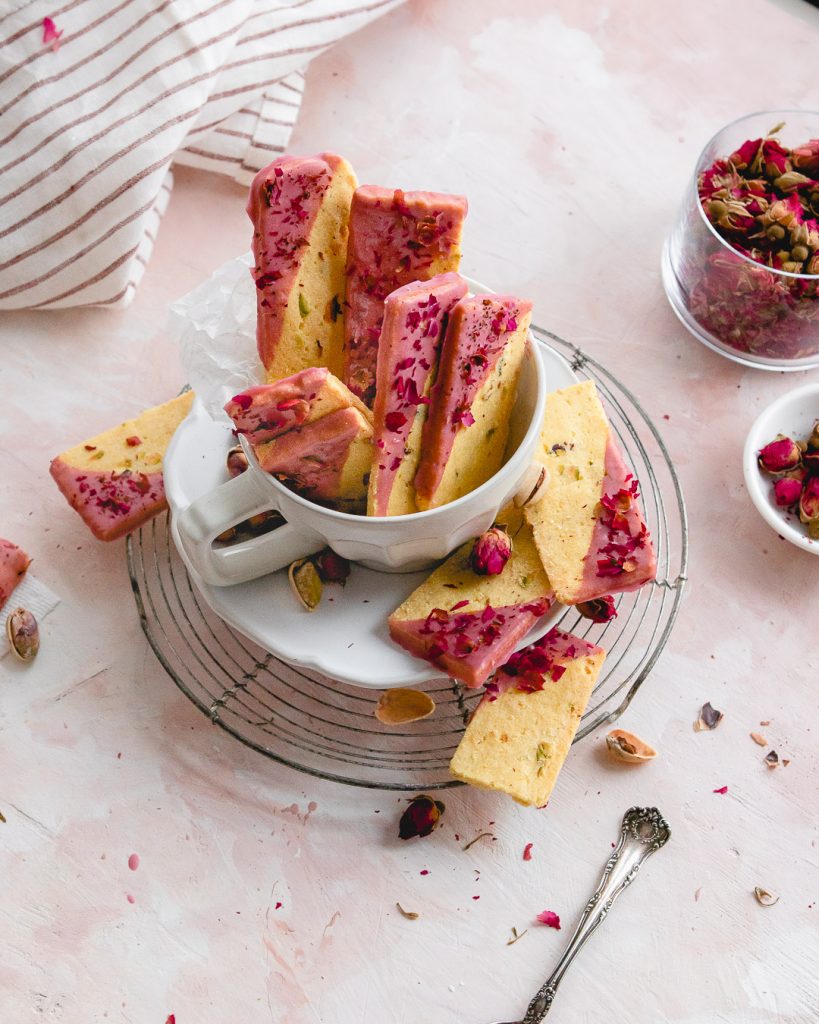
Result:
{"points": [[775, 158], [490, 552], [780, 456], [787, 491], [792, 181], [810, 460], [332, 568], [600, 609], [746, 154], [420, 818], [809, 503], [805, 158], [812, 443]]}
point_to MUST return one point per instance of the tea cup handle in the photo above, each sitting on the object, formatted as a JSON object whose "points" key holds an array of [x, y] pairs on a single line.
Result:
{"points": [[198, 526]]}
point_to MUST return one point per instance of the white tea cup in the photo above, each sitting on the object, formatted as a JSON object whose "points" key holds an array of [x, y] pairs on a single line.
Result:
{"points": [[389, 544]]}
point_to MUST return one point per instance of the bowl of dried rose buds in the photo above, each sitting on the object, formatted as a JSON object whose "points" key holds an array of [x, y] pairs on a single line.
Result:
{"points": [[781, 466], [741, 266]]}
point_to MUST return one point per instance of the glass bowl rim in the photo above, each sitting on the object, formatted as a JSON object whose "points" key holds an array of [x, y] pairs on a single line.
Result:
{"points": [[698, 166]]}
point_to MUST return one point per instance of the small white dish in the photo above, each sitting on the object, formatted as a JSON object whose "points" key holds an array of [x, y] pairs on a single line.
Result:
{"points": [[792, 415], [346, 637]]}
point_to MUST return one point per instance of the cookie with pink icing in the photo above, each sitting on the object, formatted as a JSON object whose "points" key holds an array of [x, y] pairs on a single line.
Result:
{"points": [[415, 318], [521, 732], [114, 480], [266, 411], [13, 565], [300, 208], [395, 237], [465, 434], [468, 624], [588, 526], [327, 460]]}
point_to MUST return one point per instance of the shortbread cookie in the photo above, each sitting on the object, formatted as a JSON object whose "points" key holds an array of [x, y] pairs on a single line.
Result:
{"points": [[415, 318], [521, 732], [266, 411], [588, 529], [464, 437], [395, 237], [114, 480], [468, 624], [300, 208], [13, 565], [327, 461]]}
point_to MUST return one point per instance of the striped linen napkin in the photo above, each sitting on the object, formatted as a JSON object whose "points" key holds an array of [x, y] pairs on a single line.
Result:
{"points": [[99, 97]]}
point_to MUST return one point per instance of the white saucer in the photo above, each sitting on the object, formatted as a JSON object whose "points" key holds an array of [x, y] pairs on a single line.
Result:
{"points": [[346, 637]]}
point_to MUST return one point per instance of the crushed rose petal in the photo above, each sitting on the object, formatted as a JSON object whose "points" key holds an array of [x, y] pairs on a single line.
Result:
{"points": [[51, 34], [527, 851], [549, 918], [722, 789]]}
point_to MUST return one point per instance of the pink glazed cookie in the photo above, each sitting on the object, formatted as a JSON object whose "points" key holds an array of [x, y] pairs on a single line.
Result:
{"points": [[415, 319], [13, 565], [114, 480], [395, 237], [465, 434], [588, 528], [300, 208]]}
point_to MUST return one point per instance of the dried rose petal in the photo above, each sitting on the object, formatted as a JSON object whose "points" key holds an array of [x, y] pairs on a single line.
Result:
{"points": [[721, 790], [600, 609], [133, 441], [708, 718], [490, 552], [332, 568], [549, 918], [527, 851], [51, 34], [780, 456], [421, 816], [765, 898]]}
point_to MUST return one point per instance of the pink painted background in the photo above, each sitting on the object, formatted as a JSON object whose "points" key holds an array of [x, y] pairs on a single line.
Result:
{"points": [[263, 895]]}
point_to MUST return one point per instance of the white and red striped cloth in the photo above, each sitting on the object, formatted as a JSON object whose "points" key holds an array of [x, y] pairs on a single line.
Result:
{"points": [[99, 97]]}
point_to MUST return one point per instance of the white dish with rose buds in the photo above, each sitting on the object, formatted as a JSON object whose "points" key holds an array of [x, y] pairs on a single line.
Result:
{"points": [[792, 416]]}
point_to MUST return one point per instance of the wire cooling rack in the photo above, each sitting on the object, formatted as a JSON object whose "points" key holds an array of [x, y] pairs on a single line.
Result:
{"points": [[327, 729]]}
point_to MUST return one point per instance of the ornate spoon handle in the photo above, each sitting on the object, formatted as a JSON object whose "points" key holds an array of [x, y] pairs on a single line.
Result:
{"points": [[643, 831]]}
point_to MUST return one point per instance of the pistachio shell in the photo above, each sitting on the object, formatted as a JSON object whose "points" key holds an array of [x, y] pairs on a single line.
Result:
{"points": [[23, 634], [400, 706], [765, 898], [533, 486], [306, 583], [625, 747]]}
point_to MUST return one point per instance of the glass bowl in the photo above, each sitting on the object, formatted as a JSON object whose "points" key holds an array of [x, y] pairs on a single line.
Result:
{"points": [[746, 311]]}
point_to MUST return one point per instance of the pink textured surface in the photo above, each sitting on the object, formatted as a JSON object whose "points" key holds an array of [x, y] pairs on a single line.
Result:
{"points": [[263, 895]]}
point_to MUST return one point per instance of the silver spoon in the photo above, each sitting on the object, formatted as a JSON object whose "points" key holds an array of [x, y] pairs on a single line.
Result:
{"points": [[643, 831]]}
